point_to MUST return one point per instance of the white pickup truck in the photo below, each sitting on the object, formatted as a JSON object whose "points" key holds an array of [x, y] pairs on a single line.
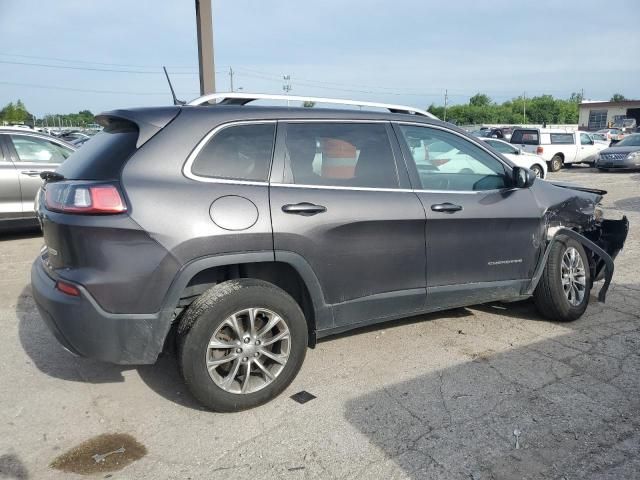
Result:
{"points": [[557, 147]]}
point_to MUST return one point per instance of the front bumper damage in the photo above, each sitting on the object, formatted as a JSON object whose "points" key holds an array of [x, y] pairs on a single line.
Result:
{"points": [[603, 243]]}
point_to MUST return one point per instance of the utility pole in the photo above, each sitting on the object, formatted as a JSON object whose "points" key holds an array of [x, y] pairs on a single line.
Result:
{"points": [[524, 107], [581, 95], [204, 22], [286, 86], [446, 97], [231, 78]]}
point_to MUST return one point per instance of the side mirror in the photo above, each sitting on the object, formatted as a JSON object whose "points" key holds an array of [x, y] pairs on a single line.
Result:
{"points": [[523, 177]]}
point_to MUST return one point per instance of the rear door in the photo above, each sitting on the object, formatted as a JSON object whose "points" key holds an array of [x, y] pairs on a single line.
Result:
{"points": [[483, 237], [340, 203], [32, 155], [10, 198]]}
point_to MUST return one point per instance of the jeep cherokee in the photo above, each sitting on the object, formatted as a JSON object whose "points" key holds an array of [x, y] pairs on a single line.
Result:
{"points": [[245, 233]]}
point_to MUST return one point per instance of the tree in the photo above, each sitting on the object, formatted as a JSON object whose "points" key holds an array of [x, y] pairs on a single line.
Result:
{"points": [[15, 113], [617, 97], [541, 109], [480, 100]]}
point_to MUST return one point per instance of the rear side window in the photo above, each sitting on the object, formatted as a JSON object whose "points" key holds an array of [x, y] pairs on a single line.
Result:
{"points": [[239, 152], [562, 138], [340, 155], [526, 137], [102, 157], [34, 149]]}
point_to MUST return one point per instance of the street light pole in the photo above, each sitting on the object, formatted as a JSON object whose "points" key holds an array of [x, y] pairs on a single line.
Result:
{"points": [[204, 22]]}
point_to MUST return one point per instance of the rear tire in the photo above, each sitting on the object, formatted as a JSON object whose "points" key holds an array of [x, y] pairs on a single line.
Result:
{"points": [[556, 163], [226, 349], [562, 294]]}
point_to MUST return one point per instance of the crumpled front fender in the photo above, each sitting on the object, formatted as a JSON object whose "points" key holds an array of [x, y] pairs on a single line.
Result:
{"points": [[613, 234]]}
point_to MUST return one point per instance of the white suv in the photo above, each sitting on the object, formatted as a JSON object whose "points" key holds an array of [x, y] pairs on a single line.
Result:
{"points": [[557, 147]]}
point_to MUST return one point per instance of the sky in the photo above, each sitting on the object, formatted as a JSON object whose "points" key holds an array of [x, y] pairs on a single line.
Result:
{"points": [[69, 55]]}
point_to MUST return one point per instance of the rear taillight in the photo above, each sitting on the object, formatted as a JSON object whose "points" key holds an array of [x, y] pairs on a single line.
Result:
{"points": [[67, 288], [87, 198], [540, 150]]}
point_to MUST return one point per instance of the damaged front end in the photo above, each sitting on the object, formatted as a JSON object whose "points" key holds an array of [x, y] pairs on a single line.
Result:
{"points": [[578, 215]]}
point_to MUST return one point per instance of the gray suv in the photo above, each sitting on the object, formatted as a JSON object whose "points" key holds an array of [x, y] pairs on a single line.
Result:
{"points": [[24, 154], [245, 233]]}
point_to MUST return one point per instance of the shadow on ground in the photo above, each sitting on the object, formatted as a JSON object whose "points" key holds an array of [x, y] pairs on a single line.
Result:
{"points": [[574, 398], [50, 358]]}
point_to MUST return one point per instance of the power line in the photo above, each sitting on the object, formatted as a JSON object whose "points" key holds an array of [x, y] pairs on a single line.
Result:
{"points": [[66, 60], [69, 67], [114, 92]]}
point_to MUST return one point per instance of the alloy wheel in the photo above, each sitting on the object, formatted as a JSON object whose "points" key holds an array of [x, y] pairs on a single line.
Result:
{"points": [[248, 350], [573, 277]]}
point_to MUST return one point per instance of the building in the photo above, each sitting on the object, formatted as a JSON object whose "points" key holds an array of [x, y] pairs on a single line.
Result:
{"points": [[597, 115]]}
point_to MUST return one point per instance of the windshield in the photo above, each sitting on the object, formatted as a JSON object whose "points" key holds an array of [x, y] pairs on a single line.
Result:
{"points": [[630, 141]]}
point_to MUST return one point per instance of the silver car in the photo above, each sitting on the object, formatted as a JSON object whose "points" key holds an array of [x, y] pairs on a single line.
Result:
{"points": [[23, 155], [624, 154]]}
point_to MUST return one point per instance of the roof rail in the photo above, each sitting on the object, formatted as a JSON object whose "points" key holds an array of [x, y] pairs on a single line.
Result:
{"points": [[241, 98]]}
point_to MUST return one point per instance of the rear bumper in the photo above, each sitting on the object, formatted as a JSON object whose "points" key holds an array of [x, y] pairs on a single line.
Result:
{"points": [[84, 329]]}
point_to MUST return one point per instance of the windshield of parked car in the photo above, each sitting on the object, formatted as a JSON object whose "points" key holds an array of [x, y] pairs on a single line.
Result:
{"points": [[630, 141]]}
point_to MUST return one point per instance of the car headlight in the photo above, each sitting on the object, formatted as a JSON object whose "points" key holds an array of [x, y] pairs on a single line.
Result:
{"points": [[598, 213], [634, 156]]}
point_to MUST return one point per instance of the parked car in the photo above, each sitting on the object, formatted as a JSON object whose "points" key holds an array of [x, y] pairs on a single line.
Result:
{"points": [[78, 142], [23, 155], [600, 138], [74, 135], [216, 221], [519, 157], [501, 132], [558, 147], [625, 154], [611, 134]]}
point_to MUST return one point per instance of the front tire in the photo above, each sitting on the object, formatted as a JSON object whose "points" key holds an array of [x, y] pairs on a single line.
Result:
{"points": [[240, 344], [562, 294], [556, 163], [537, 169]]}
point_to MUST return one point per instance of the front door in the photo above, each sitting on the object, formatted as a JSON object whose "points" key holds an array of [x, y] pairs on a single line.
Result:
{"points": [[588, 150], [32, 155], [483, 237], [343, 206]]}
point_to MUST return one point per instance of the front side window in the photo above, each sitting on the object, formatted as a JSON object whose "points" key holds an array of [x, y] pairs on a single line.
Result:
{"points": [[340, 155], [446, 161], [562, 138], [237, 152], [585, 139], [34, 149], [503, 147]]}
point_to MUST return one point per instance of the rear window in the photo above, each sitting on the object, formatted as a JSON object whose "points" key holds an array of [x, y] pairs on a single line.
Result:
{"points": [[240, 152], [102, 157], [526, 137], [562, 138]]}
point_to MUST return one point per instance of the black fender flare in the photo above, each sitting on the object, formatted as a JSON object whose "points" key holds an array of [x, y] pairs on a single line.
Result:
{"points": [[323, 312], [588, 244]]}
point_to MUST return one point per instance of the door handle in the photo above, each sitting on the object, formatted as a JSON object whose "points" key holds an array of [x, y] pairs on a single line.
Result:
{"points": [[446, 207], [304, 208], [30, 173]]}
